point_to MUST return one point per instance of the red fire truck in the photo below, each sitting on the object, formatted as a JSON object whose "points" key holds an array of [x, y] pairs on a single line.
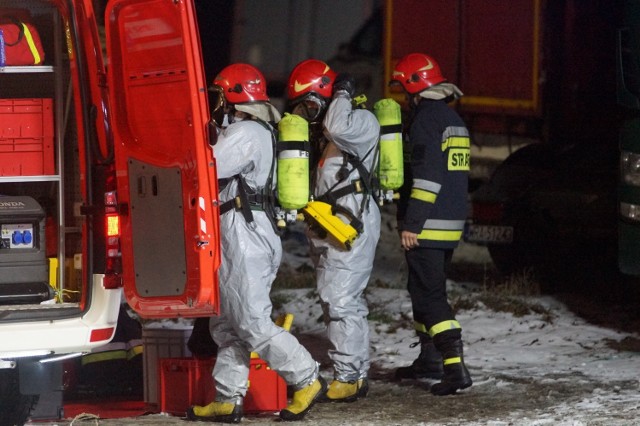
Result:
{"points": [[108, 186], [560, 79]]}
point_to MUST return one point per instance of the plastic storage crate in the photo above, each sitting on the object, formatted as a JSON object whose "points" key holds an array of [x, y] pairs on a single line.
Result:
{"points": [[26, 137], [187, 381], [160, 343]]}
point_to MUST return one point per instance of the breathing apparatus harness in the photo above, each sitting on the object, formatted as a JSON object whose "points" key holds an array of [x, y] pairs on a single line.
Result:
{"points": [[367, 183], [322, 213], [262, 200], [364, 185]]}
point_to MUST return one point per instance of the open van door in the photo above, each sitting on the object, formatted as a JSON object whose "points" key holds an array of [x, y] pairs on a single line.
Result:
{"points": [[166, 174]]}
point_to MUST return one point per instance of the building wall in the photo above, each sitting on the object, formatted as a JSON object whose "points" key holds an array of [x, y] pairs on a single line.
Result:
{"points": [[275, 35]]}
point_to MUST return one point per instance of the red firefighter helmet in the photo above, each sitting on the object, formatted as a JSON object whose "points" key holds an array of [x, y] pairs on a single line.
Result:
{"points": [[417, 72], [241, 83], [310, 77]]}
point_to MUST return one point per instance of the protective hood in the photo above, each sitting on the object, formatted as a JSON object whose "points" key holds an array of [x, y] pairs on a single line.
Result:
{"points": [[442, 91], [263, 110]]}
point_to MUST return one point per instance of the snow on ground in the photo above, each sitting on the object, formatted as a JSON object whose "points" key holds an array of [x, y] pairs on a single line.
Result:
{"points": [[496, 342], [547, 367], [555, 349], [544, 368]]}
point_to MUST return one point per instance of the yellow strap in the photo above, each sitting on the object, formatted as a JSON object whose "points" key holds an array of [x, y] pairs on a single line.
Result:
{"points": [[457, 142], [455, 360], [444, 326], [53, 272], [418, 326], [439, 235], [422, 195], [32, 46], [285, 321], [136, 350], [103, 356]]}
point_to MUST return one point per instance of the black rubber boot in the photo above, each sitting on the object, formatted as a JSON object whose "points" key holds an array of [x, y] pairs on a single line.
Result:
{"points": [[428, 365], [456, 376]]}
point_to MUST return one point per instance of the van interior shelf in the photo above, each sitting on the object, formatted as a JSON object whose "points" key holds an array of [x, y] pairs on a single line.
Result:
{"points": [[27, 68]]}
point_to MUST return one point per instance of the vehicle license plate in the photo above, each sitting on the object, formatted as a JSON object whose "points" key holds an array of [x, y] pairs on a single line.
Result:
{"points": [[488, 234]]}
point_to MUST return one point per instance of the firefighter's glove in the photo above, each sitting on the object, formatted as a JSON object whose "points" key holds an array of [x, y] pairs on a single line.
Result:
{"points": [[346, 82]]}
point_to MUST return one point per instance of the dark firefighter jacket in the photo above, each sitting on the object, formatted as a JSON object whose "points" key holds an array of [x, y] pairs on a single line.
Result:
{"points": [[433, 200]]}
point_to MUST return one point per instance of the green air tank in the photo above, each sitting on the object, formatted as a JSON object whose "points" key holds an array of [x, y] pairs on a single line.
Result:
{"points": [[293, 162], [391, 168]]}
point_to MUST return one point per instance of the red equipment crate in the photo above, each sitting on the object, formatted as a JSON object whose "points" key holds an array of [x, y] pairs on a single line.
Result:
{"points": [[187, 381], [26, 137]]}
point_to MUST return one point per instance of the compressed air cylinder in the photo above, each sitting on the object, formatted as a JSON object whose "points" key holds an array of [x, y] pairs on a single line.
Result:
{"points": [[293, 162], [391, 167]]}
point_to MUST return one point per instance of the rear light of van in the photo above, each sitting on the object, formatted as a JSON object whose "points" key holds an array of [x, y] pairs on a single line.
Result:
{"points": [[100, 334], [113, 273]]}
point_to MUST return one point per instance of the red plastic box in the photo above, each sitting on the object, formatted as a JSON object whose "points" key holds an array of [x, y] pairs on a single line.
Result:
{"points": [[187, 381], [26, 137]]}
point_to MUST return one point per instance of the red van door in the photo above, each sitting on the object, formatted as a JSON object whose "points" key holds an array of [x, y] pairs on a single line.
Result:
{"points": [[166, 173]]}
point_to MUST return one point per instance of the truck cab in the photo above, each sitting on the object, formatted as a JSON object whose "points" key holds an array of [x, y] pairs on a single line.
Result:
{"points": [[108, 188]]}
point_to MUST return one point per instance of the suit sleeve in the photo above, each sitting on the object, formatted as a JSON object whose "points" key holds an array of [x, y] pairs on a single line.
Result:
{"points": [[353, 131], [235, 151]]}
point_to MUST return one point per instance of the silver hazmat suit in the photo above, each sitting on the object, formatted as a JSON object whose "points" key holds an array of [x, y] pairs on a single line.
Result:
{"points": [[342, 276], [251, 254]]}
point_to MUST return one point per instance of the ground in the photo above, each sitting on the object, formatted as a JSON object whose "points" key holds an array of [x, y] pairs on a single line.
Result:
{"points": [[529, 402], [557, 396], [537, 363], [563, 359]]}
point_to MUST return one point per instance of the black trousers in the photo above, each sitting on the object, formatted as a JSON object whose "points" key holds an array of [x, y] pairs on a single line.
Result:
{"points": [[427, 285]]}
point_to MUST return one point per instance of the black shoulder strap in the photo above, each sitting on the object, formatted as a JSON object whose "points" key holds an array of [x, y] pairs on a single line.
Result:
{"points": [[240, 201], [20, 26], [268, 192], [365, 184]]}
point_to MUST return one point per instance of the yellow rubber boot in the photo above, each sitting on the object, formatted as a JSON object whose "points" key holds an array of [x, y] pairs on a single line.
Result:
{"points": [[303, 400], [224, 412], [347, 391]]}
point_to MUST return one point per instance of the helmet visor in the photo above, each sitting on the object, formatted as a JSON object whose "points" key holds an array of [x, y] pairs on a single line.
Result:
{"points": [[217, 103], [309, 107]]}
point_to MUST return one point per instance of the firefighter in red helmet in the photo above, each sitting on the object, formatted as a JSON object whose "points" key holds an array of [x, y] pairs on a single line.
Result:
{"points": [[309, 95], [251, 254], [310, 85], [344, 141], [431, 215]]}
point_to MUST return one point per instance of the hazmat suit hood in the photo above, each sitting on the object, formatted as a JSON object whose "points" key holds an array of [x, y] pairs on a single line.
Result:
{"points": [[263, 110], [442, 91]]}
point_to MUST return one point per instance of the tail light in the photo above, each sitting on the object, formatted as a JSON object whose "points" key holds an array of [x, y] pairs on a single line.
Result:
{"points": [[113, 272]]}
